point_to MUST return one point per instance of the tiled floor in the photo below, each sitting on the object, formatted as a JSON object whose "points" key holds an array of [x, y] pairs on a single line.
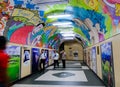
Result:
{"points": [[75, 74]]}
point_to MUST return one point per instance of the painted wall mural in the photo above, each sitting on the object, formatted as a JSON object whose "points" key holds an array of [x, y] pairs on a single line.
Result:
{"points": [[90, 23], [94, 59], [107, 64], [5, 11], [27, 22], [22, 25], [93, 20]]}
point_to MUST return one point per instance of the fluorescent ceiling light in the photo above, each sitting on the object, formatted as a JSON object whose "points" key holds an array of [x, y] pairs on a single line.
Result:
{"points": [[65, 29], [68, 38], [68, 34], [65, 26], [62, 23], [59, 16]]}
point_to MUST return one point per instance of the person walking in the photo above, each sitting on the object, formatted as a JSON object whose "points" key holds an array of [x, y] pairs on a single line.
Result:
{"points": [[56, 58], [63, 58], [42, 60], [3, 63]]}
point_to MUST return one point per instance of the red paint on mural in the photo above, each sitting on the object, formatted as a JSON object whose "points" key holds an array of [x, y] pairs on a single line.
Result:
{"points": [[21, 34]]}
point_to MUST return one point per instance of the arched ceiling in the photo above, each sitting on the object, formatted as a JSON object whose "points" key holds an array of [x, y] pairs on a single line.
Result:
{"points": [[90, 21]]}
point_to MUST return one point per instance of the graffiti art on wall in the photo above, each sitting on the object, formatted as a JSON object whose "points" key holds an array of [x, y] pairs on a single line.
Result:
{"points": [[93, 20], [93, 4], [107, 64], [117, 9], [25, 27], [94, 59], [88, 58], [20, 23], [111, 9], [5, 11], [27, 16]]}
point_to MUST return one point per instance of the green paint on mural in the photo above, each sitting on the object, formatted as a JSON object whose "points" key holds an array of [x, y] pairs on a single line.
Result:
{"points": [[108, 23], [52, 37], [22, 19], [57, 8], [49, 20], [77, 30], [79, 3], [44, 39]]}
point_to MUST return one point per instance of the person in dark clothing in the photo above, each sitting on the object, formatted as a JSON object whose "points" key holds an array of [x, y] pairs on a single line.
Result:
{"points": [[42, 59]]}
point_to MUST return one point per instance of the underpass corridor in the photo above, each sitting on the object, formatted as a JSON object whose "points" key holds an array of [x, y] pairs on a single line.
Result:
{"points": [[76, 74]]}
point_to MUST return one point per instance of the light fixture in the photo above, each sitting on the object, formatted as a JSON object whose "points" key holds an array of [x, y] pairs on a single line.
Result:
{"points": [[62, 23], [60, 16], [68, 34], [68, 38], [65, 26], [65, 29]]}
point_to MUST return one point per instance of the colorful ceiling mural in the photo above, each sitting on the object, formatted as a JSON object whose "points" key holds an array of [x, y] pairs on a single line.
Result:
{"points": [[94, 20], [22, 21], [25, 27]]}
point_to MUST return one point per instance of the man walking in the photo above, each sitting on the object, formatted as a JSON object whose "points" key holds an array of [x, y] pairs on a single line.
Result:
{"points": [[63, 58], [42, 59], [56, 57]]}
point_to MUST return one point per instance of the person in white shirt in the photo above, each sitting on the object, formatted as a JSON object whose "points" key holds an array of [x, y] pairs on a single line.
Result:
{"points": [[63, 58], [56, 58], [42, 59]]}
